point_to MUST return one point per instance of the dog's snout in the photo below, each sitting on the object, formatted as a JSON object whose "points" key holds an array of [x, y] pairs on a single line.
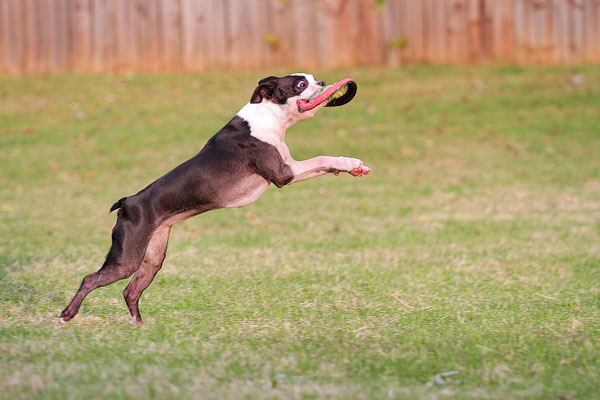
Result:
{"points": [[321, 83]]}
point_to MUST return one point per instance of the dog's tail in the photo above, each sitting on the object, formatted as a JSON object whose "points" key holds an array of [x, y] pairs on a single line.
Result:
{"points": [[120, 203]]}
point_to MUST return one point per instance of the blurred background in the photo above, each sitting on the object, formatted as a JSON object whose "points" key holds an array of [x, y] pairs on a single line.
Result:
{"points": [[466, 266], [200, 35]]}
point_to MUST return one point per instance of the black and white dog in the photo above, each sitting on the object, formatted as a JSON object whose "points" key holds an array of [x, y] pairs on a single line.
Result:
{"points": [[233, 169]]}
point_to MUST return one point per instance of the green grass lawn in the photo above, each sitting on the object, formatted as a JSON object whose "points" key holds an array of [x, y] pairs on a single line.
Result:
{"points": [[474, 246]]}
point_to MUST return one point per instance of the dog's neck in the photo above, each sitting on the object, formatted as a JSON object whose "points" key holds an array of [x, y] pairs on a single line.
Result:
{"points": [[268, 121]]}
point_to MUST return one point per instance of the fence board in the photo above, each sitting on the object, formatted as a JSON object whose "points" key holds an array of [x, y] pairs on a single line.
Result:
{"points": [[487, 32], [497, 40], [366, 48], [30, 29], [546, 44], [170, 35], [426, 22], [520, 16], [255, 42], [14, 39], [457, 31], [550, 42], [561, 31], [414, 39], [282, 31], [391, 32], [576, 29], [193, 35], [103, 46], [397, 43], [219, 32], [474, 31], [68, 20], [592, 31], [81, 34], [242, 30], [306, 41], [147, 34], [170, 38], [125, 36], [588, 40], [507, 32], [340, 32], [527, 31], [537, 30], [3, 37], [60, 37], [440, 32]]}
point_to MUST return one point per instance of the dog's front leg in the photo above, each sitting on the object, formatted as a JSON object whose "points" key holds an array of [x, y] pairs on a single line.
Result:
{"points": [[321, 165]]}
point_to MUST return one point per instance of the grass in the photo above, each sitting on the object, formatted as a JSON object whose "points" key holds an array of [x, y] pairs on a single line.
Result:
{"points": [[473, 247]]}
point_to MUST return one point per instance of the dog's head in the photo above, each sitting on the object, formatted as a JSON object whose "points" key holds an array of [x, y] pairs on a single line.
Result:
{"points": [[285, 93]]}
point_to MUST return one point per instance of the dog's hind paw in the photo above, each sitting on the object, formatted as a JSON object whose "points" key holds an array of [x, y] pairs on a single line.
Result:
{"points": [[62, 321]]}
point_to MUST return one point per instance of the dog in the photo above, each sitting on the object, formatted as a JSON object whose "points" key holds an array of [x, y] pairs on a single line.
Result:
{"points": [[233, 169]]}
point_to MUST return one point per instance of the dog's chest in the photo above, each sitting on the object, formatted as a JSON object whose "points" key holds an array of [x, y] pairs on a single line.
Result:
{"points": [[245, 192]]}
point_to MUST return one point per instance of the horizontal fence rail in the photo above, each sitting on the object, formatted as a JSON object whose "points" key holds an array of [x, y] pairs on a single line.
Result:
{"points": [[195, 35]]}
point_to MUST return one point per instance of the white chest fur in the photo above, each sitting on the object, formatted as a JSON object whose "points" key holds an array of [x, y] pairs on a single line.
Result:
{"points": [[267, 126], [266, 120]]}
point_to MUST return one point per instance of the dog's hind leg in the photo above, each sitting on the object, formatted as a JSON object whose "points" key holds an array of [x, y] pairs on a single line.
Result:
{"points": [[152, 263], [130, 238]]}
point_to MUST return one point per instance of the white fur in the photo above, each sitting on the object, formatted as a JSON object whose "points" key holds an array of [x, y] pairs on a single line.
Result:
{"points": [[269, 121], [311, 79]]}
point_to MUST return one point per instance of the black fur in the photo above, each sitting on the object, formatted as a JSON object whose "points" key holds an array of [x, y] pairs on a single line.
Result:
{"points": [[198, 185], [229, 170], [117, 205], [278, 89]]}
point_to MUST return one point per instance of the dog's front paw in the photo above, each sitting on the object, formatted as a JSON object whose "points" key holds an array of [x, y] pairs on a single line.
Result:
{"points": [[353, 166], [360, 171]]}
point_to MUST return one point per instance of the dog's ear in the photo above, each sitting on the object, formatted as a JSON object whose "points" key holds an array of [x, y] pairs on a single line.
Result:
{"points": [[265, 89]]}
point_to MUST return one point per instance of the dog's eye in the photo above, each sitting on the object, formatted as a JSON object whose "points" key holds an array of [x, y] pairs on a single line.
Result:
{"points": [[301, 84]]}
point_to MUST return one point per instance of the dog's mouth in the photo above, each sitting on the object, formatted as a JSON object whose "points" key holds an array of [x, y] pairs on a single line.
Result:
{"points": [[335, 95]]}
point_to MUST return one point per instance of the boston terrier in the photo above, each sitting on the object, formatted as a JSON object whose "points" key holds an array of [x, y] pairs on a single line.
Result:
{"points": [[233, 169]]}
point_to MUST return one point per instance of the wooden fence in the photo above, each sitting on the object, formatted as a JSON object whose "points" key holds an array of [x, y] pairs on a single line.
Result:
{"points": [[192, 35]]}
